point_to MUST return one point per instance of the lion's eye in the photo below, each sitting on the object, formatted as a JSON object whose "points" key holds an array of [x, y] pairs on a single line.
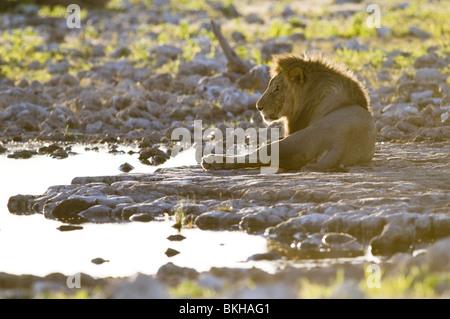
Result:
{"points": [[276, 89]]}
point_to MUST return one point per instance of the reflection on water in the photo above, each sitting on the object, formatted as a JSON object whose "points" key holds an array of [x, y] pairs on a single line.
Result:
{"points": [[33, 245]]}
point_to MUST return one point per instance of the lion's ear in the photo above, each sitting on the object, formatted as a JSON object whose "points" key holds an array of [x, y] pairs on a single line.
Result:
{"points": [[296, 75]]}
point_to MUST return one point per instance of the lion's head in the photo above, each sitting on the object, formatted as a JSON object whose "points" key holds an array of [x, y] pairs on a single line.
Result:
{"points": [[303, 86]]}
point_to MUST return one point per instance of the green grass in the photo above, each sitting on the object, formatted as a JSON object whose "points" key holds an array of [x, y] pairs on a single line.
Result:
{"points": [[190, 289], [415, 283], [58, 11]]}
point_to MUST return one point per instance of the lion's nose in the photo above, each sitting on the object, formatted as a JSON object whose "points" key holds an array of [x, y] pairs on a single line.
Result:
{"points": [[259, 107]]}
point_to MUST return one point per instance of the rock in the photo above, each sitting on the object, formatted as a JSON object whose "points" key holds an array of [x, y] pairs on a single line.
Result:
{"points": [[445, 101], [297, 37], [236, 101], [34, 65], [24, 110], [67, 210], [272, 47], [285, 231], [256, 79], [429, 75], [384, 32], [142, 217], [441, 226], [310, 244], [400, 110], [97, 50], [419, 33], [431, 60], [58, 67], [88, 100], [288, 12], [332, 239], [264, 256], [159, 82], [59, 154], [227, 9], [165, 53], [312, 223], [69, 80], [253, 18], [254, 223], [154, 209], [97, 214], [398, 235], [218, 220], [190, 208], [64, 228], [420, 96], [147, 153], [200, 65], [405, 127], [99, 261], [384, 75], [176, 237], [126, 167], [238, 36], [171, 252], [20, 204], [138, 123], [352, 45], [95, 127], [211, 282], [172, 274], [139, 286], [445, 117], [120, 51], [61, 116], [438, 256]]}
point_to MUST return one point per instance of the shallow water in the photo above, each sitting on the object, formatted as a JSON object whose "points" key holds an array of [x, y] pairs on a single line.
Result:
{"points": [[34, 245]]}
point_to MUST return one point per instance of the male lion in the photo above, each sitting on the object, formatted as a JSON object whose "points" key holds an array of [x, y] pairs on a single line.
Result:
{"points": [[325, 111]]}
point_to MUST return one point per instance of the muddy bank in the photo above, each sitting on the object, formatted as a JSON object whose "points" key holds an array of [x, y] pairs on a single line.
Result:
{"points": [[398, 201], [318, 226]]}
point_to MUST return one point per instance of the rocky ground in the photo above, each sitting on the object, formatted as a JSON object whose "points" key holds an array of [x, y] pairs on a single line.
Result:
{"points": [[135, 71]]}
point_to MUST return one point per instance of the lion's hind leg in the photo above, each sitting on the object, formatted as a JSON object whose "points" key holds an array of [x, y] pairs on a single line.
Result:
{"points": [[328, 160]]}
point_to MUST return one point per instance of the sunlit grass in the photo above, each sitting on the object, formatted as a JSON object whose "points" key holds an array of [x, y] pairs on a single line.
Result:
{"points": [[190, 289], [58, 11]]}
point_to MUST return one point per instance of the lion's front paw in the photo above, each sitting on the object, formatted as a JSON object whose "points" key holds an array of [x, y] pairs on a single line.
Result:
{"points": [[213, 162]]}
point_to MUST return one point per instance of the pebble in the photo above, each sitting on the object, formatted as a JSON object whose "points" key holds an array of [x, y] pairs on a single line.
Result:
{"points": [[352, 44], [272, 47], [97, 214], [99, 261], [427, 75], [176, 237], [126, 167], [431, 60], [64, 228], [171, 252], [419, 33], [58, 67], [142, 217], [138, 286]]}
